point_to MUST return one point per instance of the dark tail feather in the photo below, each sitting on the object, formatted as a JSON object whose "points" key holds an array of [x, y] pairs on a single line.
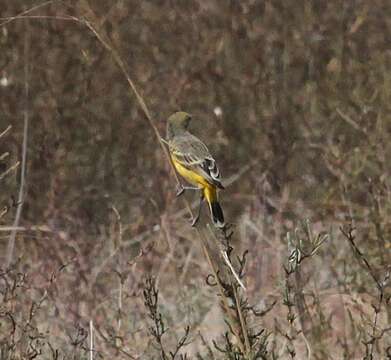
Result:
{"points": [[217, 214]]}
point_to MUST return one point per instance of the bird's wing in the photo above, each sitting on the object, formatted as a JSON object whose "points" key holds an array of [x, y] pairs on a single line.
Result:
{"points": [[192, 153]]}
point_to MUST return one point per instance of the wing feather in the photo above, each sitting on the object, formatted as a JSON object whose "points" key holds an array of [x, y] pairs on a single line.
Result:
{"points": [[192, 153]]}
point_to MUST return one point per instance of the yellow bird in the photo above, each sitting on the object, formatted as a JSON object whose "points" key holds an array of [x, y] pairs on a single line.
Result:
{"points": [[195, 164]]}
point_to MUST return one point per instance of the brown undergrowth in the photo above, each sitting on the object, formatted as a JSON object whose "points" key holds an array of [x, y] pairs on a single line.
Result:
{"points": [[84, 276]]}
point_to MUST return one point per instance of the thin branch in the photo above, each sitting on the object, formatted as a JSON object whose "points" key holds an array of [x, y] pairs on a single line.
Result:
{"points": [[9, 127], [235, 275], [24, 13], [348, 234], [380, 284], [91, 350], [350, 121], [48, 17], [11, 243], [11, 168], [242, 322]]}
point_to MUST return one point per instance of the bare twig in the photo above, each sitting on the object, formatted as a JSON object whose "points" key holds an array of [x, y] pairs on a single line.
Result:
{"points": [[91, 350], [350, 121], [11, 168], [348, 234], [380, 285], [8, 128], [301, 245], [11, 242], [236, 276], [26, 12]]}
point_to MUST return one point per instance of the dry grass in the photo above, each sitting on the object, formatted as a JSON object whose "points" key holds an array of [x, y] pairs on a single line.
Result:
{"points": [[106, 265]]}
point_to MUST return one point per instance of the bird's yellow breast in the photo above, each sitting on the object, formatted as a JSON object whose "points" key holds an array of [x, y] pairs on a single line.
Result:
{"points": [[196, 179], [191, 176]]}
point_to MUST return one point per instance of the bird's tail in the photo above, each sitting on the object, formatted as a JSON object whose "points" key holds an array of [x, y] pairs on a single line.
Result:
{"points": [[216, 212]]}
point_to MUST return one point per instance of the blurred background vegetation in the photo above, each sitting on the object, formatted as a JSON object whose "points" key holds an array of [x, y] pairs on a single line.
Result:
{"points": [[293, 99]]}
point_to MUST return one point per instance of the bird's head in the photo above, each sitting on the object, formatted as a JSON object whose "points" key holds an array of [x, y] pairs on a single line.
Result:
{"points": [[177, 123]]}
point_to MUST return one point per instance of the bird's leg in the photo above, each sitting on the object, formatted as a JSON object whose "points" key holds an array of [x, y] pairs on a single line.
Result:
{"points": [[195, 220], [181, 189]]}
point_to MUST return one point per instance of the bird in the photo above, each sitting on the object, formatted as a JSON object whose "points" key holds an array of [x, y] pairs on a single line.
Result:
{"points": [[193, 161]]}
